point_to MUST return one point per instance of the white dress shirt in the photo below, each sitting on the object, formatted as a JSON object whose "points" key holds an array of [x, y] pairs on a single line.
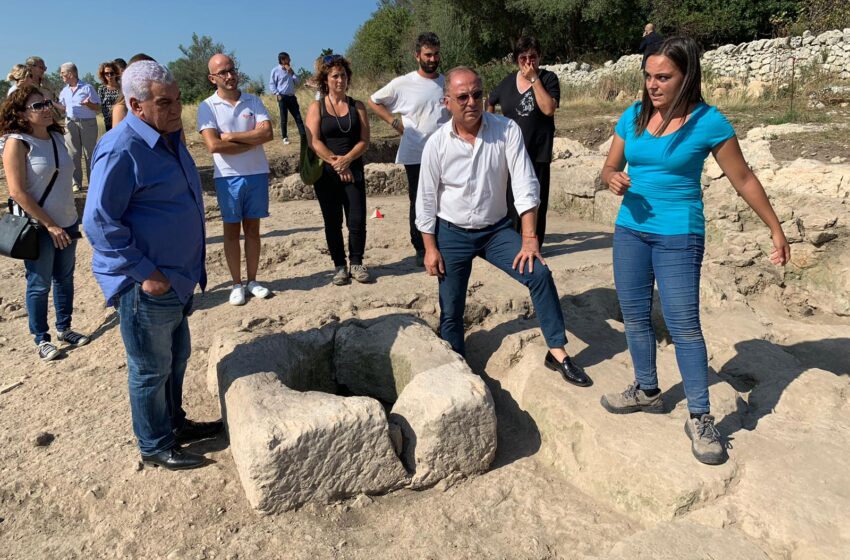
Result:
{"points": [[466, 184]]}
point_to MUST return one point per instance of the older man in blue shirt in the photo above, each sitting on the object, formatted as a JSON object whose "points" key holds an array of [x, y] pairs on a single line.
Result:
{"points": [[282, 84], [144, 217]]}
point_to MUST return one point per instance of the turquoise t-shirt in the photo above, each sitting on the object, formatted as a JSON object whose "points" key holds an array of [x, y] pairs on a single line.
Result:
{"points": [[666, 196]]}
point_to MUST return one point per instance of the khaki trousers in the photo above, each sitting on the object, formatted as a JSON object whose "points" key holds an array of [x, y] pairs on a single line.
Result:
{"points": [[80, 137]]}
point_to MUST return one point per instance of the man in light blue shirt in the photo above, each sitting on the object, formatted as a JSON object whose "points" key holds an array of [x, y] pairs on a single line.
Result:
{"points": [[144, 218], [282, 84], [81, 104]]}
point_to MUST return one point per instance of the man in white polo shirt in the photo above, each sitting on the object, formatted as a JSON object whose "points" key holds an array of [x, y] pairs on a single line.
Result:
{"points": [[235, 125], [80, 104], [418, 98]]}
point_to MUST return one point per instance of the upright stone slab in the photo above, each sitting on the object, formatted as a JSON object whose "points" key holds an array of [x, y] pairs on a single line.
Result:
{"points": [[448, 421], [380, 359], [291, 447]]}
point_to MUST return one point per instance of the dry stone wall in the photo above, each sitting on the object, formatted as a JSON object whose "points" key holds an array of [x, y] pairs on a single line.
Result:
{"points": [[765, 60]]}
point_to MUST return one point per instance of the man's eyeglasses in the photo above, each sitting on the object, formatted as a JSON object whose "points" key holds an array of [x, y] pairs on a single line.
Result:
{"points": [[463, 98], [329, 59], [40, 105], [226, 72]]}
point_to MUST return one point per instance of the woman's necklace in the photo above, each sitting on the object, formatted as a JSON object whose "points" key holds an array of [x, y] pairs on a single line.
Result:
{"points": [[338, 124]]}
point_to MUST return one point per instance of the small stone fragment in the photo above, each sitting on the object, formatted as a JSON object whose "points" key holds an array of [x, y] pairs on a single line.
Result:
{"points": [[43, 439]]}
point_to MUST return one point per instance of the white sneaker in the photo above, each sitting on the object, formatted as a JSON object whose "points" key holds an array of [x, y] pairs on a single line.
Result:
{"points": [[286, 141], [258, 290], [237, 295]]}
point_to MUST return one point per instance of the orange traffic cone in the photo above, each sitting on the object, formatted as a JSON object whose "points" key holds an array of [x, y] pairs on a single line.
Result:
{"points": [[376, 214]]}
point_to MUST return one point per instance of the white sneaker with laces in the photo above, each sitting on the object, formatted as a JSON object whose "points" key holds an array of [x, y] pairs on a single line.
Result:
{"points": [[258, 290], [47, 350], [237, 295], [286, 141]]}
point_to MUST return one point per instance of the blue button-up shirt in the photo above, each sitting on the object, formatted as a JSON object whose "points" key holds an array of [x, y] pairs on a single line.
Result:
{"points": [[144, 211], [73, 101], [282, 82]]}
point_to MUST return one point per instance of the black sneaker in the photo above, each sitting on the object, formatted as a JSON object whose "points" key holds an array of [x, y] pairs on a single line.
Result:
{"points": [[73, 338], [47, 350]]}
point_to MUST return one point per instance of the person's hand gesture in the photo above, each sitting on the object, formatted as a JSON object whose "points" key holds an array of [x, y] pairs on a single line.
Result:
{"points": [[530, 250], [781, 253], [434, 264], [619, 183]]}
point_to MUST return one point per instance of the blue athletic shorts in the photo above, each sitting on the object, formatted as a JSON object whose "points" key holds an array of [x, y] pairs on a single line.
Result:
{"points": [[242, 198]]}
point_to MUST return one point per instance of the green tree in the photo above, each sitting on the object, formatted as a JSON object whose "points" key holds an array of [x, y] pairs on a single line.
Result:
{"points": [[380, 45], [191, 70], [4, 88]]}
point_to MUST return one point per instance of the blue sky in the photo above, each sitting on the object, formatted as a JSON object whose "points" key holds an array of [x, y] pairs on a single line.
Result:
{"points": [[87, 32]]}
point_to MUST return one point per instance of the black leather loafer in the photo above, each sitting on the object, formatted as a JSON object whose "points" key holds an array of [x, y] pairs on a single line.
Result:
{"points": [[568, 370], [192, 430], [175, 459]]}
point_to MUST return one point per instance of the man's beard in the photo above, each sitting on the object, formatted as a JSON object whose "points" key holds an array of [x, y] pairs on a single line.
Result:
{"points": [[428, 67]]}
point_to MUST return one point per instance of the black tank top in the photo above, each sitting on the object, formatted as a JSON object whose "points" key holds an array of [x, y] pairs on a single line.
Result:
{"points": [[340, 134]]}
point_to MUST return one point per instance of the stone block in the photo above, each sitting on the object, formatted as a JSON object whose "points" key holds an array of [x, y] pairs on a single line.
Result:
{"points": [[579, 177], [291, 447], [382, 358], [448, 421], [385, 178]]}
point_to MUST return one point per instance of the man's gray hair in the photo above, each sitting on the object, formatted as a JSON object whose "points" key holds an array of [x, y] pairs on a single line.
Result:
{"points": [[137, 79], [69, 67]]}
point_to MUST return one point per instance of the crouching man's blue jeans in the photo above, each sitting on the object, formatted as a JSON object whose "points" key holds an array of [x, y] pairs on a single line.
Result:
{"points": [[155, 330], [674, 261], [497, 244]]}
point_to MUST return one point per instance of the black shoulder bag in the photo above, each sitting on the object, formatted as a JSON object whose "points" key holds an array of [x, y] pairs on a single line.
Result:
{"points": [[19, 231]]}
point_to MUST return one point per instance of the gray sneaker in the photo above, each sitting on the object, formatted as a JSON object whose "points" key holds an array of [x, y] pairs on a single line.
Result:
{"points": [[705, 440], [47, 350], [633, 399], [73, 338], [360, 273], [340, 276]]}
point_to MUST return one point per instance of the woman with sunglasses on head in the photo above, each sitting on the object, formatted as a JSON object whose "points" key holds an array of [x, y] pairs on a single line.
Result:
{"points": [[338, 131], [660, 229], [39, 172], [529, 97], [109, 91], [20, 76]]}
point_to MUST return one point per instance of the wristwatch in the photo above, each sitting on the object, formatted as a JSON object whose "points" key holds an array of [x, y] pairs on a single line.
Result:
{"points": [[532, 80]]}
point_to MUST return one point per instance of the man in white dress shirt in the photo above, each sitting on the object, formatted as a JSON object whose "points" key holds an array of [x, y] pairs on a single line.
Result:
{"points": [[235, 125], [461, 210]]}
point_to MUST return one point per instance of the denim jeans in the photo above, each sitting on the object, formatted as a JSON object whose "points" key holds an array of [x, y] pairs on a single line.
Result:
{"points": [[674, 261], [497, 244], [155, 330], [290, 103], [54, 266]]}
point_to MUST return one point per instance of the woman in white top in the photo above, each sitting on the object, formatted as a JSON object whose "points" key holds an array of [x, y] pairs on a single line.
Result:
{"points": [[33, 150]]}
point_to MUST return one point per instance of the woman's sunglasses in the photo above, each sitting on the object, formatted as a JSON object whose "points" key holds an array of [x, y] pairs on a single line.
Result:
{"points": [[40, 105], [330, 59]]}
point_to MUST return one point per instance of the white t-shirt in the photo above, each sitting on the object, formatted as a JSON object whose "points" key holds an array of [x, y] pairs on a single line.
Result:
{"points": [[249, 111], [40, 166], [419, 101]]}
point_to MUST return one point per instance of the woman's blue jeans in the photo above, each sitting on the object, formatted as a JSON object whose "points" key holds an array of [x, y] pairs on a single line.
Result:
{"points": [[674, 261], [52, 267], [155, 330]]}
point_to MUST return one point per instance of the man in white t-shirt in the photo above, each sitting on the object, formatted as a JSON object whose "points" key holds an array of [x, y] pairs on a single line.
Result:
{"points": [[235, 125], [418, 98]]}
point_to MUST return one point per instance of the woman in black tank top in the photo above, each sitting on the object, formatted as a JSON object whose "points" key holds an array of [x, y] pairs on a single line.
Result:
{"points": [[338, 131]]}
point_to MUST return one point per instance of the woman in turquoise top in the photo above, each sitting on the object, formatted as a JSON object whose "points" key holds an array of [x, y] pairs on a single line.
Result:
{"points": [[660, 230]]}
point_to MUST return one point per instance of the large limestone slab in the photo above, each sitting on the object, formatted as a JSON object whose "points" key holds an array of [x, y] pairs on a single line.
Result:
{"points": [[380, 358], [448, 422], [686, 541], [292, 447]]}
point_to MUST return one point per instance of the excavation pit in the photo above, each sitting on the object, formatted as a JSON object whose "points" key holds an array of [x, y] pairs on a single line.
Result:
{"points": [[360, 407]]}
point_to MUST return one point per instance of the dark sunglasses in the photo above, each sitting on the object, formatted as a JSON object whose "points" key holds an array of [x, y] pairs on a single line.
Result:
{"points": [[108, 74], [40, 105], [463, 98], [331, 58]]}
